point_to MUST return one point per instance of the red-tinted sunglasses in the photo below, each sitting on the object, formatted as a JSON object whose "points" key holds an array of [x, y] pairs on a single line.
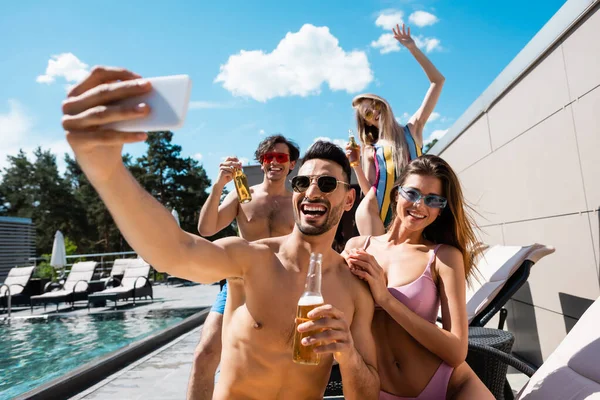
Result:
{"points": [[279, 157]]}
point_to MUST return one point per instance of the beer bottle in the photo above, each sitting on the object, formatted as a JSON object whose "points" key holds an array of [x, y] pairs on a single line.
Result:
{"points": [[241, 186], [310, 299], [353, 146]]}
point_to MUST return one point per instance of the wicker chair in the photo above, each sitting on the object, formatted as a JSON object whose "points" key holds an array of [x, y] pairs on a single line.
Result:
{"points": [[570, 372]]}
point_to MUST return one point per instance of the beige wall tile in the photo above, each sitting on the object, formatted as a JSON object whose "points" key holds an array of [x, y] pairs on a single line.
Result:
{"points": [[536, 175], [582, 56], [472, 145], [586, 114], [571, 270], [539, 94]]}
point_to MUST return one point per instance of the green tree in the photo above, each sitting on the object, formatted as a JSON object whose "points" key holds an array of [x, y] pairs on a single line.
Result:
{"points": [[178, 183], [70, 203], [17, 186], [101, 233], [429, 145], [54, 205]]}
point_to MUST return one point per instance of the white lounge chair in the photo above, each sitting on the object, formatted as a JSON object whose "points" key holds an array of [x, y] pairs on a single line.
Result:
{"points": [[75, 288], [571, 372]]}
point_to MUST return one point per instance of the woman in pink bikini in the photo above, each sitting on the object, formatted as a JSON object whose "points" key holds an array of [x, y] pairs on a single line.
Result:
{"points": [[418, 266]]}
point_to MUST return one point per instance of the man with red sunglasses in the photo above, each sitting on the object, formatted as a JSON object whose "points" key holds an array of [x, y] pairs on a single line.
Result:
{"points": [[269, 214]]}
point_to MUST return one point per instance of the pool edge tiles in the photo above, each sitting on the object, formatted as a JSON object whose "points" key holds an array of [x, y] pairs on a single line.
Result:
{"points": [[89, 374]]}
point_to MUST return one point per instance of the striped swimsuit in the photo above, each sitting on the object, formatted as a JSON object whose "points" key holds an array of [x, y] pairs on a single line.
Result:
{"points": [[386, 173]]}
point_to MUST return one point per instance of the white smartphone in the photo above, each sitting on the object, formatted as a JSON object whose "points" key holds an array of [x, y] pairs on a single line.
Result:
{"points": [[168, 102]]}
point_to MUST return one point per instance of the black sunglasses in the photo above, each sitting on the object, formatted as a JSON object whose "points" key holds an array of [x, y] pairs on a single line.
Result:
{"points": [[326, 183], [430, 200]]}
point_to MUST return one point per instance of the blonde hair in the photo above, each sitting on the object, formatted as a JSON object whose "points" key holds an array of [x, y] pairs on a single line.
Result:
{"points": [[389, 129]]}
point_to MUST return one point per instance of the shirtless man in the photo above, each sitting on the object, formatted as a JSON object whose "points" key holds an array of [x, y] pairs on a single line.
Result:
{"points": [[269, 214], [257, 354]]}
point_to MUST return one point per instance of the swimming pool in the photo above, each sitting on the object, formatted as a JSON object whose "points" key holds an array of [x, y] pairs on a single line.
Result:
{"points": [[35, 350]]}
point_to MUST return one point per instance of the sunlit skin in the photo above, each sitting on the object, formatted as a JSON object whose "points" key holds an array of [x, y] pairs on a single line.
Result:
{"points": [[399, 258]]}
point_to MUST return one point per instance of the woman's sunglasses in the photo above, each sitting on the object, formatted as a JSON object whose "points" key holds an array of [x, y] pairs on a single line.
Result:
{"points": [[370, 112], [431, 200], [281, 158], [326, 183]]}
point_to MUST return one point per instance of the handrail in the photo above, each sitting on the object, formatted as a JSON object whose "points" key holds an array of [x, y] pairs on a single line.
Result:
{"points": [[9, 297], [75, 256]]}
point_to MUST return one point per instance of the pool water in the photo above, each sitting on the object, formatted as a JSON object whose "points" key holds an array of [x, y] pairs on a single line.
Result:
{"points": [[34, 351]]}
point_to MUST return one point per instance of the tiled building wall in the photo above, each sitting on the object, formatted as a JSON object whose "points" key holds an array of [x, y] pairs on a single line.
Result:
{"points": [[531, 167]]}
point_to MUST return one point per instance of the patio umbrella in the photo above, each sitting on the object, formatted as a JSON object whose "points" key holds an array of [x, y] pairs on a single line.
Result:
{"points": [[59, 255], [175, 215]]}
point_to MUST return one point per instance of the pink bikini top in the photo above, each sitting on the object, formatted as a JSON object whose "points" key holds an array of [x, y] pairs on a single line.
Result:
{"points": [[421, 296]]}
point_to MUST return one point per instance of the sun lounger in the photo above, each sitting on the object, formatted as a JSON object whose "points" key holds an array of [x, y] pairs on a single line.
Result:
{"points": [[501, 271], [570, 372], [135, 283], [17, 283], [75, 288]]}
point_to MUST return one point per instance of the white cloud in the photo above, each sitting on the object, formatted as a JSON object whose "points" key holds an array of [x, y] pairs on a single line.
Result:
{"points": [[199, 104], [15, 124], [422, 18], [65, 65], [428, 44], [386, 43], [197, 156], [339, 142], [300, 64], [243, 160], [16, 133], [261, 132], [403, 119], [434, 116], [437, 134], [389, 19]]}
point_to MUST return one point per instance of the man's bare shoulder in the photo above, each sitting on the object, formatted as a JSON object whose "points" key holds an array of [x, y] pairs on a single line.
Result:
{"points": [[241, 249], [356, 242], [272, 243], [360, 289]]}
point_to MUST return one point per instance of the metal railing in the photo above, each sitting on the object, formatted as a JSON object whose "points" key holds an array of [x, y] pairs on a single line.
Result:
{"points": [[102, 261], [8, 297]]}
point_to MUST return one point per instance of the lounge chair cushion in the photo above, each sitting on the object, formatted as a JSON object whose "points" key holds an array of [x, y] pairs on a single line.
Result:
{"points": [[571, 372], [494, 268], [120, 265], [60, 293], [135, 269], [81, 271], [17, 279]]}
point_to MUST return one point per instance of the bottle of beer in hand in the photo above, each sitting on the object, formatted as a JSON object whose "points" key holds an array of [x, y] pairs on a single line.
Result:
{"points": [[310, 299], [354, 161], [241, 186]]}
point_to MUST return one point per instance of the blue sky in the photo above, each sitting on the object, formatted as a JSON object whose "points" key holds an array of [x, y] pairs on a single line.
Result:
{"points": [[327, 52]]}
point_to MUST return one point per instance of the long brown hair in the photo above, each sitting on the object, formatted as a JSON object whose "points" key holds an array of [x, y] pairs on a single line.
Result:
{"points": [[454, 226], [389, 129]]}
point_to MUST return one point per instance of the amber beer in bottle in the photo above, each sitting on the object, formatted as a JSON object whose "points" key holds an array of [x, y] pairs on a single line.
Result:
{"points": [[241, 186], [310, 299], [353, 145]]}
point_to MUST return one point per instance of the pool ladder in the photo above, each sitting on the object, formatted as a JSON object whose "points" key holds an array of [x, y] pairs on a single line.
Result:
{"points": [[9, 297]]}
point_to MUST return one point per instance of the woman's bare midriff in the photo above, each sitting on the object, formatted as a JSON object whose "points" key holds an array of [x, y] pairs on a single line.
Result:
{"points": [[405, 366]]}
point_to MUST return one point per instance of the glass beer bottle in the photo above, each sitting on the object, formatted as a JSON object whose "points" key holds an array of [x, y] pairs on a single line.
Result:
{"points": [[353, 145], [241, 186], [310, 299]]}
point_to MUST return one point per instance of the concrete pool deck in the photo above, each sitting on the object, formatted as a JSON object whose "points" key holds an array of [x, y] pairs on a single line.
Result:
{"points": [[164, 373], [165, 297]]}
